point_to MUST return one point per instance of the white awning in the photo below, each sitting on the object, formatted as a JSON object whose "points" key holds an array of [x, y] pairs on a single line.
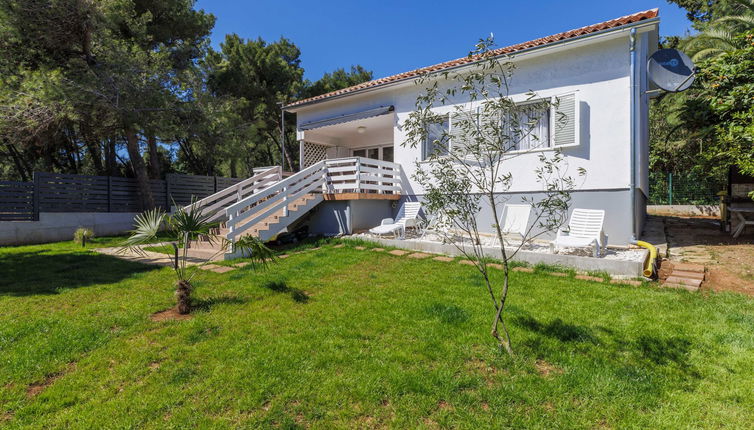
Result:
{"points": [[382, 110]]}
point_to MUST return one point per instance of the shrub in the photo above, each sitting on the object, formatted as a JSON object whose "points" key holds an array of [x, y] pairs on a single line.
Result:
{"points": [[82, 235]]}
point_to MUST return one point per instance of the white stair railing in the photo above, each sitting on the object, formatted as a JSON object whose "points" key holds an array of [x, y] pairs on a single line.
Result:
{"points": [[249, 211], [334, 176], [216, 202]]}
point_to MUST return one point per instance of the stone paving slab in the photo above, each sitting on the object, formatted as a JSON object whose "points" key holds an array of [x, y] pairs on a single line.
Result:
{"points": [[467, 262], [559, 274], [217, 269], [398, 252], [419, 255], [378, 249], [625, 282], [360, 248], [443, 259], [523, 269], [339, 246], [495, 266], [589, 278], [242, 264]]}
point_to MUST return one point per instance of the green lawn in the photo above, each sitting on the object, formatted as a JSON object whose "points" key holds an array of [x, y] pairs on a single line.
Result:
{"points": [[343, 338]]}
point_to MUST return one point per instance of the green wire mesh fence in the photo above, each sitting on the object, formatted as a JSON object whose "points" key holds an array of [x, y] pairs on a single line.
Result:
{"points": [[683, 189]]}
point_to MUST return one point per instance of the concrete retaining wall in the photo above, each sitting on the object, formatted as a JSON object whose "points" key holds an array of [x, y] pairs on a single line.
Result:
{"points": [[55, 227], [618, 268]]}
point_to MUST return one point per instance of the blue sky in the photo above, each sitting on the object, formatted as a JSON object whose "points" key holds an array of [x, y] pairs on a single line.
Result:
{"points": [[390, 37]]}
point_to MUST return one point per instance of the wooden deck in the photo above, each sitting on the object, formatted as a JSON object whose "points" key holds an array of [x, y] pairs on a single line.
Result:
{"points": [[361, 196]]}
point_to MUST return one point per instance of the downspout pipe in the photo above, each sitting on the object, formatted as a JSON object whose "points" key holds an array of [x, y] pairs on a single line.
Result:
{"points": [[633, 134]]}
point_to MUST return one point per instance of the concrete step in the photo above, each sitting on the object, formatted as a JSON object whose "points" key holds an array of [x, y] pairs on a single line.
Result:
{"points": [[684, 281], [681, 286], [688, 275], [688, 267]]}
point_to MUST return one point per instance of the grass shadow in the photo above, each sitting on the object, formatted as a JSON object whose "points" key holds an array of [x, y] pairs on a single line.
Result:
{"points": [[558, 329], [298, 296], [448, 314], [46, 271], [205, 305], [664, 351]]}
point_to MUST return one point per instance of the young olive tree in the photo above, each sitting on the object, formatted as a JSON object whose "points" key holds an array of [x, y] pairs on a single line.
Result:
{"points": [[471, 133]]}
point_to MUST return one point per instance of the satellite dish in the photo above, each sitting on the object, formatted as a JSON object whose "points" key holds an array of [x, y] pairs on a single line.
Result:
{"points": [[671, 70]]}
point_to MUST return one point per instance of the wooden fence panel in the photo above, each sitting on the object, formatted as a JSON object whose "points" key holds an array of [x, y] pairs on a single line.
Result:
{"points": [[223, 183], [184, 187], [54, 192], [71, 193], [17, 201]]}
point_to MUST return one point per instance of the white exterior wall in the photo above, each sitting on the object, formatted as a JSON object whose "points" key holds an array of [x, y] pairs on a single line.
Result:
{"points": [[597, 68], [599, 71]]}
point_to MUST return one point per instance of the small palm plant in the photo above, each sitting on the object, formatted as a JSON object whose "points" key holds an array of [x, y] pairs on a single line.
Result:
{"points": [[186, 225]]}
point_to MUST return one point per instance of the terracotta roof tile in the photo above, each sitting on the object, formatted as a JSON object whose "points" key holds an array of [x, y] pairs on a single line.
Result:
{"points": [[613, 23]]}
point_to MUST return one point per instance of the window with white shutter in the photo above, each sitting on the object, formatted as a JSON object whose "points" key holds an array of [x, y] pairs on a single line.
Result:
{"points": [[565, 121], [461, 137], [437, 137]]}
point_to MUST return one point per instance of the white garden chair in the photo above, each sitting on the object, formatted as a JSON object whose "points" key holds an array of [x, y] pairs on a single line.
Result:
{"points": [[515, 220], [584, 230], [408, 216]]}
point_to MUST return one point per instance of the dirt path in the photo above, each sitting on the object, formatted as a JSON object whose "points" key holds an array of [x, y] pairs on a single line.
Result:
{"points": [[729, 262]]}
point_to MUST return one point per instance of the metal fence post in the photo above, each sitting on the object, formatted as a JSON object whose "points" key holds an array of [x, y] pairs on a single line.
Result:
{"points": [[35, 196], [167, 193], [109, 194]]}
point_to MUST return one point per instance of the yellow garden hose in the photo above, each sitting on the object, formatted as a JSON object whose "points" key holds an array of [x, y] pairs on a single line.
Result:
{"points": [[650, 266]]}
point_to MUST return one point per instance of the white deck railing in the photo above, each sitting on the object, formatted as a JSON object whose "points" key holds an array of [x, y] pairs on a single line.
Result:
{"points": [[335, 176], [215, 203], [362, 175]]}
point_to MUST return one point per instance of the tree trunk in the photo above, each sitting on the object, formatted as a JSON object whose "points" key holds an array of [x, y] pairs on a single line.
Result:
{"points": [[233, 167], [154, 160], [183, 297], [140, 170], [23, 169], [93, 147], [110, 156]]}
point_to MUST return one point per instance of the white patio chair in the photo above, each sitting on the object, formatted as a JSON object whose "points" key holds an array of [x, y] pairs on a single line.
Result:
{"points": [[439, 224], [585, 230], [515, 219], [408, 216]]}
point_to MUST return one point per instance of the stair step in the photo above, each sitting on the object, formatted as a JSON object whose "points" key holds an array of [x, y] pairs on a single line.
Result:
{"points": [[681, 286], [684, 281], [689, 275]]}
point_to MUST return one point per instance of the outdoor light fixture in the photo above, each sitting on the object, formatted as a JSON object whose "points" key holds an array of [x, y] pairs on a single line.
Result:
{"points": [[361, 129]]}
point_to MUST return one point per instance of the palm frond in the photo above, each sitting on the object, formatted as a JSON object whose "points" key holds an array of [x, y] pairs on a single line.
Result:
{"points": [[146, 227], [191, 223], [261, 256]]}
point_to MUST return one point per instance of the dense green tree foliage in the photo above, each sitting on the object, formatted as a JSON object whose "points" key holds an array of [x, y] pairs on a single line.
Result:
{"points": [[132, 87]]}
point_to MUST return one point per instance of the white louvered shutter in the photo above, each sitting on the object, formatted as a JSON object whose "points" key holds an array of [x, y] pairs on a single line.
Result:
{"points": [[459, 139], [565, 121]]}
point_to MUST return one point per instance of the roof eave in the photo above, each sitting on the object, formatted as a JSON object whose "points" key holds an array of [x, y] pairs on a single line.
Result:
{"points": [[558, 43]]}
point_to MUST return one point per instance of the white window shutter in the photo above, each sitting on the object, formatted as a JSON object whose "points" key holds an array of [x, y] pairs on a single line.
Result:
{"points": [[459, 141], [565, 120]]}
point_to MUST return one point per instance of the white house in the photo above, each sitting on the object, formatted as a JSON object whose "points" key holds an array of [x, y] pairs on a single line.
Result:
{"points": [[598, 71], [356, 168]]}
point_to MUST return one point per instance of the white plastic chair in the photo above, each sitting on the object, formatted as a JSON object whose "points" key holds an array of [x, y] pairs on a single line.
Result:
{"points": [[408, 216], [515, 219], [585, 230]]}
